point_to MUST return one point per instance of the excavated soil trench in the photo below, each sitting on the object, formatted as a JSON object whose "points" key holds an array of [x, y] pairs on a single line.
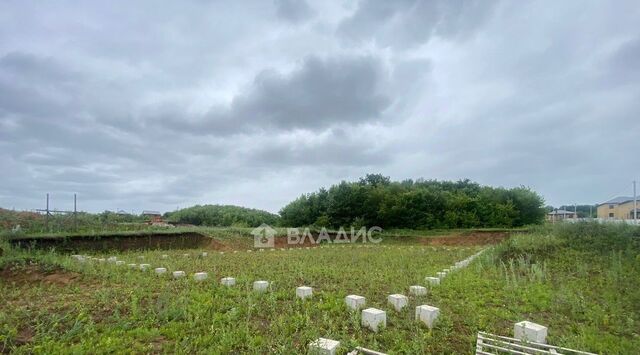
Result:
{"points": [[189, 240], [193, 240]]}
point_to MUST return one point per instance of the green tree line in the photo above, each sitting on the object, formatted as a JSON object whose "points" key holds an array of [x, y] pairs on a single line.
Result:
{"points": [[429, 204], [222, 216]]}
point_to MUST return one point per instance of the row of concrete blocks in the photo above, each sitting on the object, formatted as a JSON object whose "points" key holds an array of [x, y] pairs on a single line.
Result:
{"points": [[376, 319], [525, 331], [373, 318], [435, 280], [205, 254], [259, 286]]}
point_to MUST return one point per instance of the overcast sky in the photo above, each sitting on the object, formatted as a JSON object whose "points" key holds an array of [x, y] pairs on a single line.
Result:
{"points": [[160, 104]]}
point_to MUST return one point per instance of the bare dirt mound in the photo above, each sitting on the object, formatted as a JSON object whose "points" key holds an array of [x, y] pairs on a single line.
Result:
{"points": [[34, 273], [218, 245], [473, 238]]}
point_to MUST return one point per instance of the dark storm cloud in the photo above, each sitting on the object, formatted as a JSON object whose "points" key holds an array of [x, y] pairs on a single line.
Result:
{"points": [[318, 94]]}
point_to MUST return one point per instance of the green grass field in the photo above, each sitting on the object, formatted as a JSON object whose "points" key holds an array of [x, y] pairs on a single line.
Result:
{"points": [[587, 297]]}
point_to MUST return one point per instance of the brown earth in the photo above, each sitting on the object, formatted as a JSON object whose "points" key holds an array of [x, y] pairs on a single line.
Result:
{"points": [[193, 240], [187, 240], [35, 274], [468, 239], [24, 336]]}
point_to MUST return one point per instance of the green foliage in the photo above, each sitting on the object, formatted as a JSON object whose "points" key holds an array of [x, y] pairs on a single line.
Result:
{"points": [[599, 237], [222, 216], [424, 204], [82, 222], [555, 275]]}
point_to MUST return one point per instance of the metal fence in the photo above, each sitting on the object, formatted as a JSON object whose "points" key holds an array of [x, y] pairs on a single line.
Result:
{"points": [[491, 344]]}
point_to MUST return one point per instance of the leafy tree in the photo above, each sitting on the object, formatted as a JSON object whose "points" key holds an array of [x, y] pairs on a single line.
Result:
{"points": [[376, 200], [224, 216]]}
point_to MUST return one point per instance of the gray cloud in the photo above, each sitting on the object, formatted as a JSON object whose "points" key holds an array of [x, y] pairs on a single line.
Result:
{"points": [[407, 23], [318, 94], [152, 106], [293, 11]]}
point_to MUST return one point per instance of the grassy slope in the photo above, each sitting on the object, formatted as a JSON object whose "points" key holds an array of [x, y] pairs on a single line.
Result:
{"points": [[587, 298]]}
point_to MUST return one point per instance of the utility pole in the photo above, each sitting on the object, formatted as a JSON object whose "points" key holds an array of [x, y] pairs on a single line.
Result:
{"points": [[75, 214], [575, 211], [46, 221], [635, 204]]}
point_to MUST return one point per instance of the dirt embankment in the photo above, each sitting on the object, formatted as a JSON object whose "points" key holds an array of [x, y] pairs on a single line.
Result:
{"points": [[188, 240], [468, 239], [193, 240]]}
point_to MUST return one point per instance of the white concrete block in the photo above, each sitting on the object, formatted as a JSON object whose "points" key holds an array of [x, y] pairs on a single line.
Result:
{"points": [[222, 253], [204, 254], [144, 267], [322, 346], [441, 275], [398, 301], [373, 318], [179, 274], [112, 259], [185, 255], [260, 286], [304, 292], [200, 276], [446, 270], [165, 256], [119, 262], [432, 280], [417, 290], [133, 266], [529, 331], [160, 270], [427, 315], [355, 302], [228, 281], [102, 260]]}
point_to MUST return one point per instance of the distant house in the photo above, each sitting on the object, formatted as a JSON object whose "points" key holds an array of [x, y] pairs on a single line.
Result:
{"points": [[620, 207], [151, 213], [559, 215], [154, 216]]}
